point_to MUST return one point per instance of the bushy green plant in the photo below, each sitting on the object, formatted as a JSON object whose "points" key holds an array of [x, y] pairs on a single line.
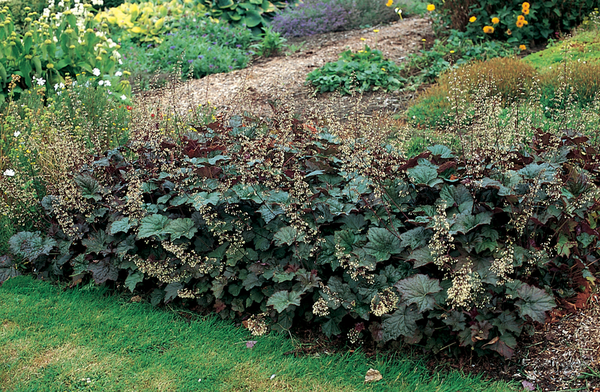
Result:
{"points": [[196, 49], [253, 14], [52, 48], [515, 21], [284, 221], [362, 71], [321, 16], [271, 43], [147, 22], [20, 10], [450, 52]]}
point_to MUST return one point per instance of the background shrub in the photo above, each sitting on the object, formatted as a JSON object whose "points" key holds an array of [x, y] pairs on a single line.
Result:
{"points": [[322, 16], [544, 18]]}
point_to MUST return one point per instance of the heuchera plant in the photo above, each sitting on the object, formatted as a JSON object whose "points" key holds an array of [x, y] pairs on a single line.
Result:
{"points": [[286, 222]]}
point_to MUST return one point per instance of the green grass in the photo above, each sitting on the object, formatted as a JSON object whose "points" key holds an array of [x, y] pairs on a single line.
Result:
{"points": [[584, 46], [55, 340]]}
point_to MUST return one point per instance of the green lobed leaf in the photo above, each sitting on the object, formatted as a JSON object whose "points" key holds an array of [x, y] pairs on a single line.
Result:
{"points": [[181, 227], [457, 195], [424, 175], [281, 300], [133, 279], [172, 290], [403, 322], [288, 235], [382, 244], [120, 226], [534, 302], [154, 224], [419, 290]]}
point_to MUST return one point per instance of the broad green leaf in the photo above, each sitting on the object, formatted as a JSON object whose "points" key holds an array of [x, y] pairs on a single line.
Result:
{"points": [[506, 323], [31, 245], [534, 302], [442, 151], [288, 235], [119, 226], [419, 290], [270, 212], [154, 224], [353, 221], [424, 175], [456, 320], [544, 172], [103, 270], [382, 244], [403, 322], [563, 247], [89, 187], [96, 243], [181, 227], [201, 199], [415, 238], [281, 300], [458, 195], [331, 328], [503, 345], [7, 269], [420, 257], [133, 279], [345, 238], [466, 222]]}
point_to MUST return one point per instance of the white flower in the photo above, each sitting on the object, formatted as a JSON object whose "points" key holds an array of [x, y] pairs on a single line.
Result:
{"points": [[123, 97], [9, 172], [58, 86], [61, 3], [118, 73], [96, 72], [109, 92], [100, 83], [17, 133], [107, 83], [120, 62], [39, 81]]}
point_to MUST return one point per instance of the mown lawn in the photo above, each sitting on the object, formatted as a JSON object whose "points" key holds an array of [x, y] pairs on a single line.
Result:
{"points": [[90, 339]]}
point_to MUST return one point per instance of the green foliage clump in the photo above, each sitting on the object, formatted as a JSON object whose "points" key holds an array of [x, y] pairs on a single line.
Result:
{"points": [[451, 52], [583, 46], [361, 71], [284, 222], [196, 49], [50, 49], [149, 21], [253, 14], [518, 22], [21, 9]]}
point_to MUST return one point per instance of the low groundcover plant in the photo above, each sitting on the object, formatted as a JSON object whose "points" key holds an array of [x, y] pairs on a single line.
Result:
{"points": [[277, 222]]}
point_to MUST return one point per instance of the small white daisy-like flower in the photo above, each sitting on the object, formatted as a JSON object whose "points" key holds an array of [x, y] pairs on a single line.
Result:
{"points": [[96, 72], [101, 83], [123, 97], [17, 133], [118, 73], [107, 83], [9, 172]]}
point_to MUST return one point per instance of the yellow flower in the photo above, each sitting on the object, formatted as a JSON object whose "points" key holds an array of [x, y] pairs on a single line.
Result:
{"points": [[451, 51], [525, 6], [525, 22], [430, 7], [495, 20], [383, 69], [376, 31], [525, 11], [472, 19], [508, 32], [520, 17], [522, 47], [488, 29], [363, 39], [389, 3], [520, 23]]}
